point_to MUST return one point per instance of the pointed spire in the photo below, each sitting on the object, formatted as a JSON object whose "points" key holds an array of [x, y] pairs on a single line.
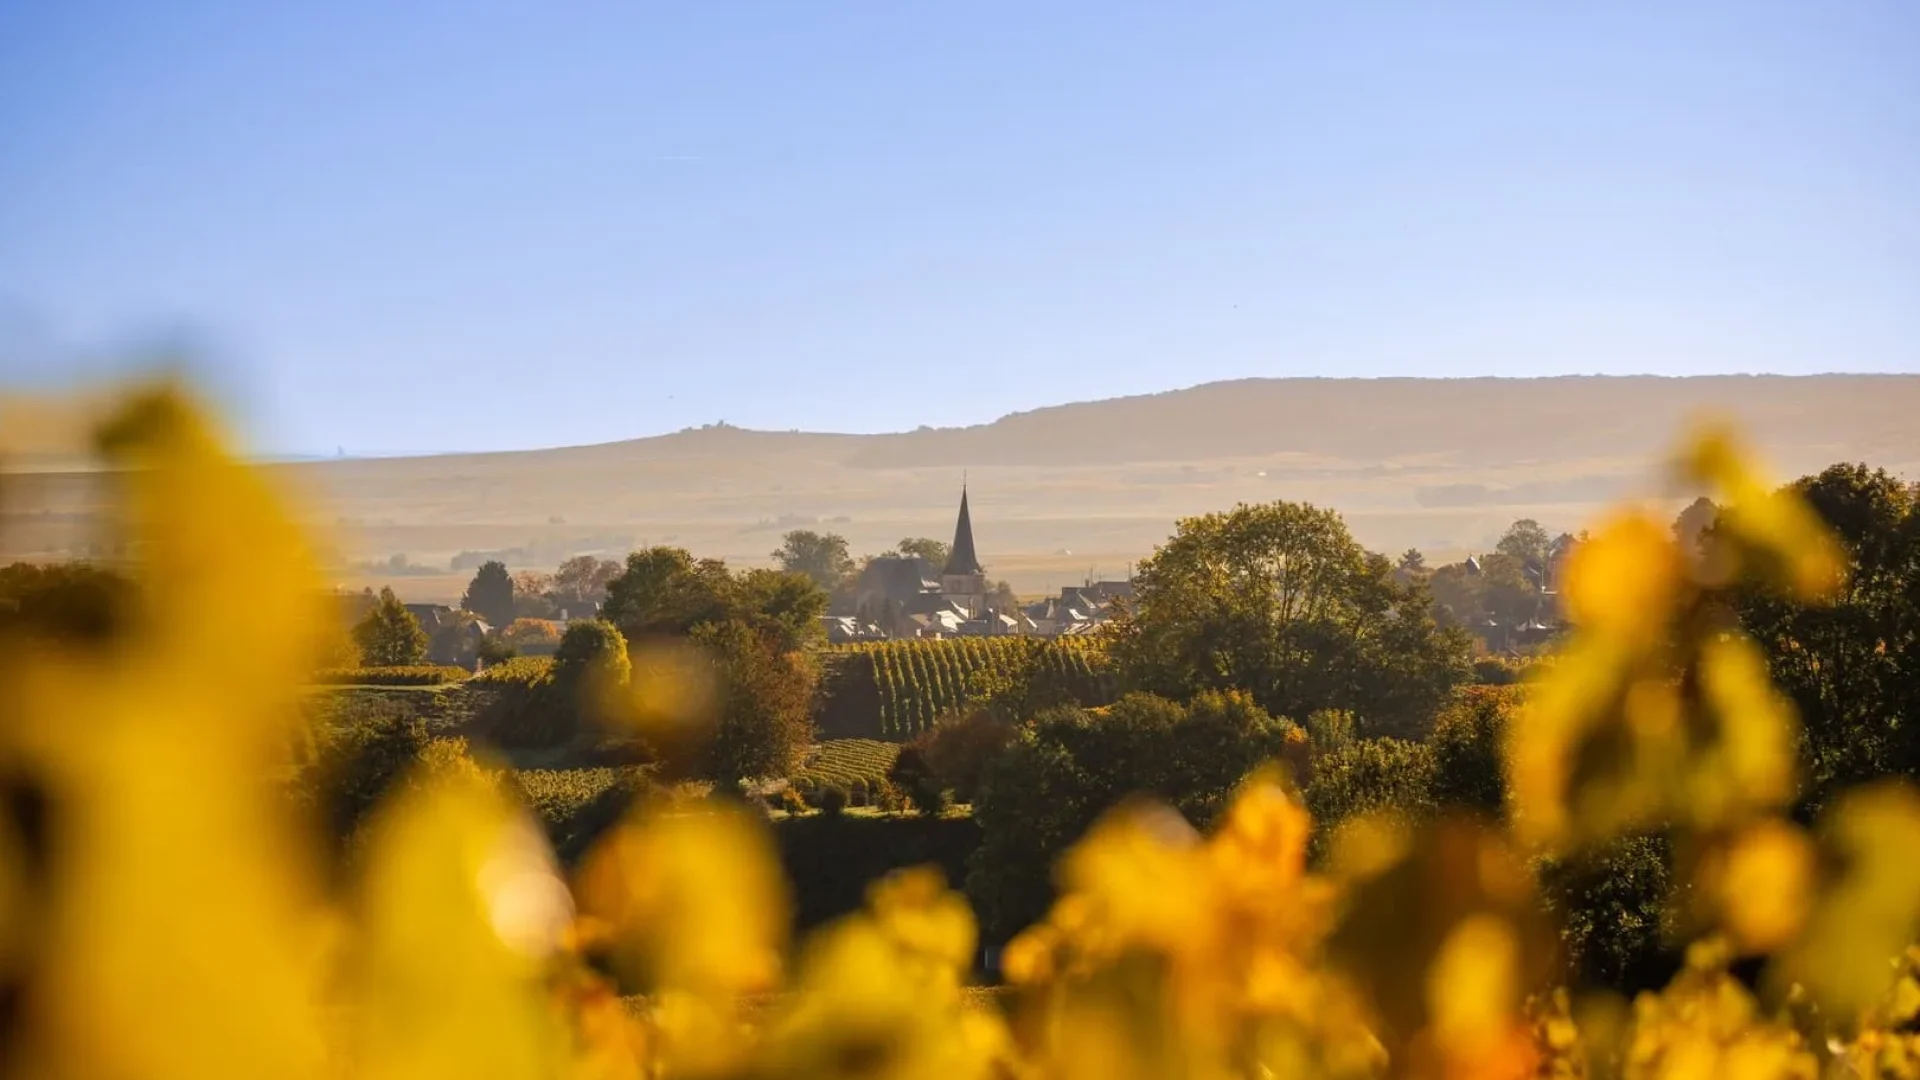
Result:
{"points": [[962, 560]]}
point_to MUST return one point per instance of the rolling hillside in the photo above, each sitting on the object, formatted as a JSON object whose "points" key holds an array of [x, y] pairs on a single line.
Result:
{"points": [[1065, 491]]}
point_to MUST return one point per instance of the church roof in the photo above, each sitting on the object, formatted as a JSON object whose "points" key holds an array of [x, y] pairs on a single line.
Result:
{"points": [[963, 560]]}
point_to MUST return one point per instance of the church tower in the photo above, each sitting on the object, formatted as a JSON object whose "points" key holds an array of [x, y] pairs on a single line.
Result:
{"points": [[962, 580]]}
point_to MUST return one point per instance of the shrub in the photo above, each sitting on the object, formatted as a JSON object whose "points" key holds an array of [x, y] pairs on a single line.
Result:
{"points": [[409, 675], [833, 799], [912, 775], [857, 794], [792, 801], [494, 650]]}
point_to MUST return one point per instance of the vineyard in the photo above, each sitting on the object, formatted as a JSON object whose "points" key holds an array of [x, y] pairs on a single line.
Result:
{"points": [[896, 689], [845, 761]]}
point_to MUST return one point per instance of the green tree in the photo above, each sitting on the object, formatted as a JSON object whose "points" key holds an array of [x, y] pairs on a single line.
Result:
{"points": [[821, 557], [490, 594], [1469, 749], [1280, 601], [1411, 561], [1526, 542], [666, 592], [922, 547], [1849, 666], [389, 635], [1070, 766], [763, 720], [590, 660]]}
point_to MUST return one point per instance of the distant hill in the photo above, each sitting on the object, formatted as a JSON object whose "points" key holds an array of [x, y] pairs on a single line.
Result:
{"points": [[1061, 492]]}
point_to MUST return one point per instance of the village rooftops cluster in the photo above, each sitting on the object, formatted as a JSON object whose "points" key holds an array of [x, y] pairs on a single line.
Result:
{"points": [[902, 596]]}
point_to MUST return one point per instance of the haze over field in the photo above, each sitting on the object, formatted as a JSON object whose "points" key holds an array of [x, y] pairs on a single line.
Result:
{"points": [[1062, 492]]}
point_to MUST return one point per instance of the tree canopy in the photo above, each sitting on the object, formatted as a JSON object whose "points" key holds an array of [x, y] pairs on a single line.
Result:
{"points": [[490, 595], [1278, 599], [389, 635], [821, 557], [922, 547], [1849, 666]]}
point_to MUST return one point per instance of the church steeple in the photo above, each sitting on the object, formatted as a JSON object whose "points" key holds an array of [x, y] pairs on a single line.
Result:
{"points": [[962, 561]]}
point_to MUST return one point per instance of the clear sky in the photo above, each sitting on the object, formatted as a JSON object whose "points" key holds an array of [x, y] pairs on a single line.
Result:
{"points": [[430, 226]]}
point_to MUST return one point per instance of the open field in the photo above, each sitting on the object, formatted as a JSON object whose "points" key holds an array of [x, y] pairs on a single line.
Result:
{"points": [[1065, 492]]}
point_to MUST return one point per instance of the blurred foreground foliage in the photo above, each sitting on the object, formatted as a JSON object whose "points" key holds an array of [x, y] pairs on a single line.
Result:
{"points": [[166, 911]]}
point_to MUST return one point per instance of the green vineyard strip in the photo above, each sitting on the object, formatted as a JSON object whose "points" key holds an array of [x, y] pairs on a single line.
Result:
{"points": [[919, 681]]}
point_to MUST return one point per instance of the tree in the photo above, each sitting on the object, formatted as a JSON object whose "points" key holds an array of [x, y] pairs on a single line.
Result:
{"points": [[490, 595], [1411, 561], [389, 635], [922, 547], [820, 557], [763, 718], [1002, 598], [1469, 749], [666, 592], [959, 749], [532, 637], [531, 595], [1849, 666], [1057, 776], [590, 660], [1280, 601], [583, 579], [1525, 541], [1694, 521]]}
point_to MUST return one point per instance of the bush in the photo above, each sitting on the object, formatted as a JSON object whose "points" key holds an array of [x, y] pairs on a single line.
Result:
{"points": [[408, 675], [857, 794], [494, 650], [792, 801], [912, 776], [833, 799]]}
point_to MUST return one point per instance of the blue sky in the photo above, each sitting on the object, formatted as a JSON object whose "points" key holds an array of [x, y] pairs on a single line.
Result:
{"points": [[480, 225]]}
